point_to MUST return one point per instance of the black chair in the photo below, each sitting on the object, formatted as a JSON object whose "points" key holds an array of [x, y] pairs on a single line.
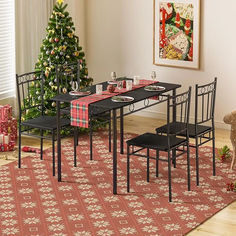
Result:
{"points": [[203, 129], [30, 90], [168, 142]]}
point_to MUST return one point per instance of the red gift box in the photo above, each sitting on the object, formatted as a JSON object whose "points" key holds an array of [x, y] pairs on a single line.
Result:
{"points": [[12, 128], [9, 127], [5, 112], [3, 127]]}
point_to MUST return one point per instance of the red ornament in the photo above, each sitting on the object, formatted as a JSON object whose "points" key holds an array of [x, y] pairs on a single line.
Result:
{"points": [[56, 40], [110, 88]]}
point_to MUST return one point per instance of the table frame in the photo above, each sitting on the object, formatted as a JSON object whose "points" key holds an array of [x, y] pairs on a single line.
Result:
{"points": [[101, 107]]}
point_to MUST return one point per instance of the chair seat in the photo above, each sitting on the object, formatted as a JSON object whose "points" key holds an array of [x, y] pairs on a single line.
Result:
{"points": [[177, 126], [45, 122], [155, 141]]}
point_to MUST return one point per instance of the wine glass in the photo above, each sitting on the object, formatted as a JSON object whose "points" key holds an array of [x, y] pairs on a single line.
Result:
{"points": [[153, 75], [74, 85], [113, 75]]}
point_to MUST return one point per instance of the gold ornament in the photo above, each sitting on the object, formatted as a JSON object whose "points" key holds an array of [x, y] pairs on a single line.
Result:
{"points": [[70, 35], [64, 90], [54, 104], [76, 53]]}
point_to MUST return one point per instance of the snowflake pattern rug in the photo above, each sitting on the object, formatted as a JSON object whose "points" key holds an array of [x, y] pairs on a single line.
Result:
{"points": [[32, 202]]}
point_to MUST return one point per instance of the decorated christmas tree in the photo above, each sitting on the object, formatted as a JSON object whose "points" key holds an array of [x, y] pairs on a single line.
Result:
{"points": [[61, 46]]}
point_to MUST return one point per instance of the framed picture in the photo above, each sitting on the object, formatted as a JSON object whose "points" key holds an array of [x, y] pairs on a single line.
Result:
{"points": [[176, 33]]}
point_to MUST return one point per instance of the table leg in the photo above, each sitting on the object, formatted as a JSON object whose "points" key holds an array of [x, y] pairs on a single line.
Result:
{"points": [[91, 138], [114, 152], [58, 142], [121, 130], [174, 119]]}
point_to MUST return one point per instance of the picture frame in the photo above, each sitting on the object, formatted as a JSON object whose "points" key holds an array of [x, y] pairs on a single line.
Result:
{"points": [[176, 33]]}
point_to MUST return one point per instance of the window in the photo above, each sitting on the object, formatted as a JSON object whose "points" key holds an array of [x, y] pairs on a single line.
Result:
{"points": [[7, 49]]}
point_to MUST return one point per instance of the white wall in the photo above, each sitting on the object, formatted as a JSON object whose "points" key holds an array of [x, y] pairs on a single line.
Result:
{"points": [[77, 10], [119, 38]]}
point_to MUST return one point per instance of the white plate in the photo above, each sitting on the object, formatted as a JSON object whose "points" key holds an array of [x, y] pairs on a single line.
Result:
{"points": [[79, 93], [154, 88], [112, 82], [122, 99]]}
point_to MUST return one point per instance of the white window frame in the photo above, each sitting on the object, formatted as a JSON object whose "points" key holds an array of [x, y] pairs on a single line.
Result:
{"points": [[7, 49]]}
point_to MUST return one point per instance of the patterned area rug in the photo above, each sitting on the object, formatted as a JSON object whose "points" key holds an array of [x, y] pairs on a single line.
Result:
{"points": [[32, 202]]}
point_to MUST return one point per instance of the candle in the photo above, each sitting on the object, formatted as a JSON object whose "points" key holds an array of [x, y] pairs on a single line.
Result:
{"points": [[1, 138]]}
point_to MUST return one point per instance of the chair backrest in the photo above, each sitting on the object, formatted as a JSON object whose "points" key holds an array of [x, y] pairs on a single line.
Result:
{"points": [[66, 74], [179, 107], [205, 102], [30, 92]]}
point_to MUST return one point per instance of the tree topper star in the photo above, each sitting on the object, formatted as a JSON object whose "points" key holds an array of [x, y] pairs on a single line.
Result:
{"points": [[60, 2]]}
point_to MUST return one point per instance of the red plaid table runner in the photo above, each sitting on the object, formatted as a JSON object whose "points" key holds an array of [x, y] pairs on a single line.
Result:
{"points": [[80, 107]]}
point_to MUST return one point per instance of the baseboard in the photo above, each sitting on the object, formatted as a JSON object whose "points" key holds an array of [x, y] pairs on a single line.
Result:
{"points": [[162, 116]]}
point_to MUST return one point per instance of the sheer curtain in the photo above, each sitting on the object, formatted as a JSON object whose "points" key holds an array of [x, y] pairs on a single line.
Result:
{"points": [[31, 21]]}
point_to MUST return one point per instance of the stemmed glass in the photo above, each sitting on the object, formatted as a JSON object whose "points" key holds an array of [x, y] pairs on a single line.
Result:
{"points": [[153, 75], [113, 75], [74, 86]]}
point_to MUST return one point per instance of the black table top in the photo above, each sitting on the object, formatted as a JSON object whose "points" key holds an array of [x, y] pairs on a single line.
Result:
{"points": [[107, 104], [68, 98]]}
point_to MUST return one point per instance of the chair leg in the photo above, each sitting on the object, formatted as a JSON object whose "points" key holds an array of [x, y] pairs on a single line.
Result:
{"points": [[213, 152], [174, 157], [148, 164], [188, 166], [19, 148], [91, 140], [53, 154], [121, 130], [157, 163], [128, 171], [75, 145], [109, 133], [169, 176], [197, 162], [41, 144]]}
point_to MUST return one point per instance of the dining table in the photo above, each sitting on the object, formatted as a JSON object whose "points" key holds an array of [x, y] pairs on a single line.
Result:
{"points": [[118, 110]]}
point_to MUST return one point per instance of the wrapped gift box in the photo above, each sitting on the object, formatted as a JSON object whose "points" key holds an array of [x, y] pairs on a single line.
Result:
{"points": [[5, 112], [8, 129]]}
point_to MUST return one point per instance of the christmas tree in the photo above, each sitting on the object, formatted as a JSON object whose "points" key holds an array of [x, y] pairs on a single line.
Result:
{"points": [[61, 46]]}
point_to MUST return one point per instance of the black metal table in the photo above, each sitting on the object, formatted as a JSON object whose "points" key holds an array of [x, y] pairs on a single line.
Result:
{"points": [[99, 107]]}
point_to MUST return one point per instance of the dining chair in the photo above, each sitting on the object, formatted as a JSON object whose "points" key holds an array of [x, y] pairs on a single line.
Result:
{"points": [[203, 128], [164, 142], [30, 92]]}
